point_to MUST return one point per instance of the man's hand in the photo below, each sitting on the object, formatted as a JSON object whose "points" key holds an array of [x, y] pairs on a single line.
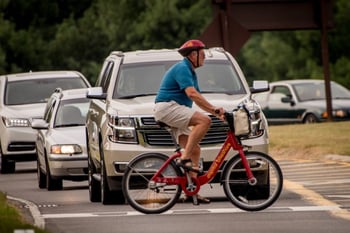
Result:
{"points": [[220, 113]]}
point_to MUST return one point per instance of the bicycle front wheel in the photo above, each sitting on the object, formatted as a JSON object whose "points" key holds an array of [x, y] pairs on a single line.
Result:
{"points": [[146, 197], [253, 197]]}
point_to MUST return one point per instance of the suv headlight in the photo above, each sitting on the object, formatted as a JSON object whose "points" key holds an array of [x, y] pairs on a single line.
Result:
{"points": [[16, 122], [123, 129], [66, 149], [256, 121]]}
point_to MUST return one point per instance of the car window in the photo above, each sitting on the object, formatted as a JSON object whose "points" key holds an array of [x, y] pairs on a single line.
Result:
{"points": [[219, 77], [140, 79], [339, 92], [144, 79], [281, 90], [71, 113], [37, 90], [106, 77], [316, 91]]}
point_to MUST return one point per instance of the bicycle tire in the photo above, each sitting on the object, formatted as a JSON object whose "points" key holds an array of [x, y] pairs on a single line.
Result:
{"points": [[253, 197], [137, 190]]}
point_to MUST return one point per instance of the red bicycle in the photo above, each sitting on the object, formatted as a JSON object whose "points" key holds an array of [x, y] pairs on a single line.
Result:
{"points": [[251, 180]]}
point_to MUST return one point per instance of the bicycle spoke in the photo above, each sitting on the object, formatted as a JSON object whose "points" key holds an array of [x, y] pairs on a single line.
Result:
{"points": [[145, 195], [248, 196]]}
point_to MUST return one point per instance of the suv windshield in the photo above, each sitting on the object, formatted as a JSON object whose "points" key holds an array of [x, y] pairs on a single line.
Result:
{"points": [[37, 90], [143, 79]]}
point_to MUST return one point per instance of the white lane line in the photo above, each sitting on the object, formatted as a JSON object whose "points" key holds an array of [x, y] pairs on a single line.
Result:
{"points": [[315, 198], [192, 211], [339, 196]]}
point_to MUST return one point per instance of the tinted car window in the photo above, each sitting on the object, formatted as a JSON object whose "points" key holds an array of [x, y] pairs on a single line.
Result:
{"points": [[37, 90]]}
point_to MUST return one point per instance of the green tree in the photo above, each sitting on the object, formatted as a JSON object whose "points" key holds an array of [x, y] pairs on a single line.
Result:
{"points": [[297, 54]]}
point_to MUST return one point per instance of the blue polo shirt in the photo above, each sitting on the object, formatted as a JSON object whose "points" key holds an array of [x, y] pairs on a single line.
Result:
{"points": [[175, 81]]}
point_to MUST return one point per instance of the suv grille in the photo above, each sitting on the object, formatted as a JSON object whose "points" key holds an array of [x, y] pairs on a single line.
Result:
{"points": [[156, 136]]}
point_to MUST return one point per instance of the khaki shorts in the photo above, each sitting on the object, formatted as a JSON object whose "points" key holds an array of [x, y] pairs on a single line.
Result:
{"points": [[175, 115]]}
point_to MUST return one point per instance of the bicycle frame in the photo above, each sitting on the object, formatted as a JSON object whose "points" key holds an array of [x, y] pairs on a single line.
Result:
{"points": [[230, 142]]}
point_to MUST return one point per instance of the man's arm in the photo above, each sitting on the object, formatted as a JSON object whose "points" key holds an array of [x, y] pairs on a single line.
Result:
{"points": [[201, 102]]}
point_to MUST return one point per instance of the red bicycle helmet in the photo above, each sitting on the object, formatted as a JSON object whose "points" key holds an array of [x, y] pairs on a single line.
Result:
{"points": [[190, 46]]}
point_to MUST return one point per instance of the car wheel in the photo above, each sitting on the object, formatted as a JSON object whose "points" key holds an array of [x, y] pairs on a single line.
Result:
{"points": [[41, 176], [310, 118], [94, 185], [52, 184], [7, 166]]}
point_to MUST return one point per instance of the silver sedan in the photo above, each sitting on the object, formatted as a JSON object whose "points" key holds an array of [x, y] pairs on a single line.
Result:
{"points": [[61, 139]]}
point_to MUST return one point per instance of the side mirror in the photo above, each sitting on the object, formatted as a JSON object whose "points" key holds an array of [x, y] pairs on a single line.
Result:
{"points": [[39, 124], [288, 99], [259, 86], [96, 93]]}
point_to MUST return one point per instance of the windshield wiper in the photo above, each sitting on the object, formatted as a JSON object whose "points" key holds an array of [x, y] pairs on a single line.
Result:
{"points": [[69, 125], [134, 96], [220, 92]]}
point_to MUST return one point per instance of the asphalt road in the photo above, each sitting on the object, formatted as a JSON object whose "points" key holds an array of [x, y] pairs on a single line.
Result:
{"points": [[316, 198]]}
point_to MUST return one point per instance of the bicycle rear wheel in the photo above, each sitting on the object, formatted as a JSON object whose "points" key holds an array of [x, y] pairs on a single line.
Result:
{"points": [[143, 196], [248, 196]]}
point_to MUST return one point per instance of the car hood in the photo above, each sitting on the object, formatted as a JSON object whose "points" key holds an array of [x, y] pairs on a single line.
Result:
{"points": [[68, 135], [24, 111], [144, 105], [336, 104]]}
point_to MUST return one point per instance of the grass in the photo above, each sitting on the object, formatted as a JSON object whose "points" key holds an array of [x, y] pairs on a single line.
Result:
{"points": [[310, 141], [10, 219]]}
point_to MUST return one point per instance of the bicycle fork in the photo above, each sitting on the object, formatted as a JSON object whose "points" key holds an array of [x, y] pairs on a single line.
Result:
{"points": [[251, 179]]}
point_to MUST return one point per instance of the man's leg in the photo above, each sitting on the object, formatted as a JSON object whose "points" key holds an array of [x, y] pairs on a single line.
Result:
{"points": [[184, 140], [200, 124]]}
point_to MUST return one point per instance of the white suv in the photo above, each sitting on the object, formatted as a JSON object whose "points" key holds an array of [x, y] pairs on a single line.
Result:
{"points": [[24, 96], [120, 122]]}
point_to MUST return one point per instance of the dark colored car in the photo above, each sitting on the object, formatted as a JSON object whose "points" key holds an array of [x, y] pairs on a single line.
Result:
{"points": [[303, 101]]}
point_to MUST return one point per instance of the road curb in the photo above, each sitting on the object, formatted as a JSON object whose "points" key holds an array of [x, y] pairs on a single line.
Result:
{"points": [[34, 210]]}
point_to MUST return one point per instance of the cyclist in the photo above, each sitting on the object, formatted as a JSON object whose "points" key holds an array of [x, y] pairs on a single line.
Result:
{"points": [[173, 106]]}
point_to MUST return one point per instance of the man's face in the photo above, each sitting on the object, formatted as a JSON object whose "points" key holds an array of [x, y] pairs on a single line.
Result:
{"points": [[197, 58]]}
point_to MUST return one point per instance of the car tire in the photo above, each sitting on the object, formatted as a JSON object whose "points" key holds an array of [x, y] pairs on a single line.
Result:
{"points": [[94, 185], [7, 166], [52, 184], [106, 194], [310, 119], [41, 176]]}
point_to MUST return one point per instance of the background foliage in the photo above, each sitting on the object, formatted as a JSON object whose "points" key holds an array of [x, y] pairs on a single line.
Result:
{"points": [[79, 34]]}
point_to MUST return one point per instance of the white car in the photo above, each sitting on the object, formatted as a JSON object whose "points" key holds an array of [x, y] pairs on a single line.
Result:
{"points": [[61, 139], [23, 96]]}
